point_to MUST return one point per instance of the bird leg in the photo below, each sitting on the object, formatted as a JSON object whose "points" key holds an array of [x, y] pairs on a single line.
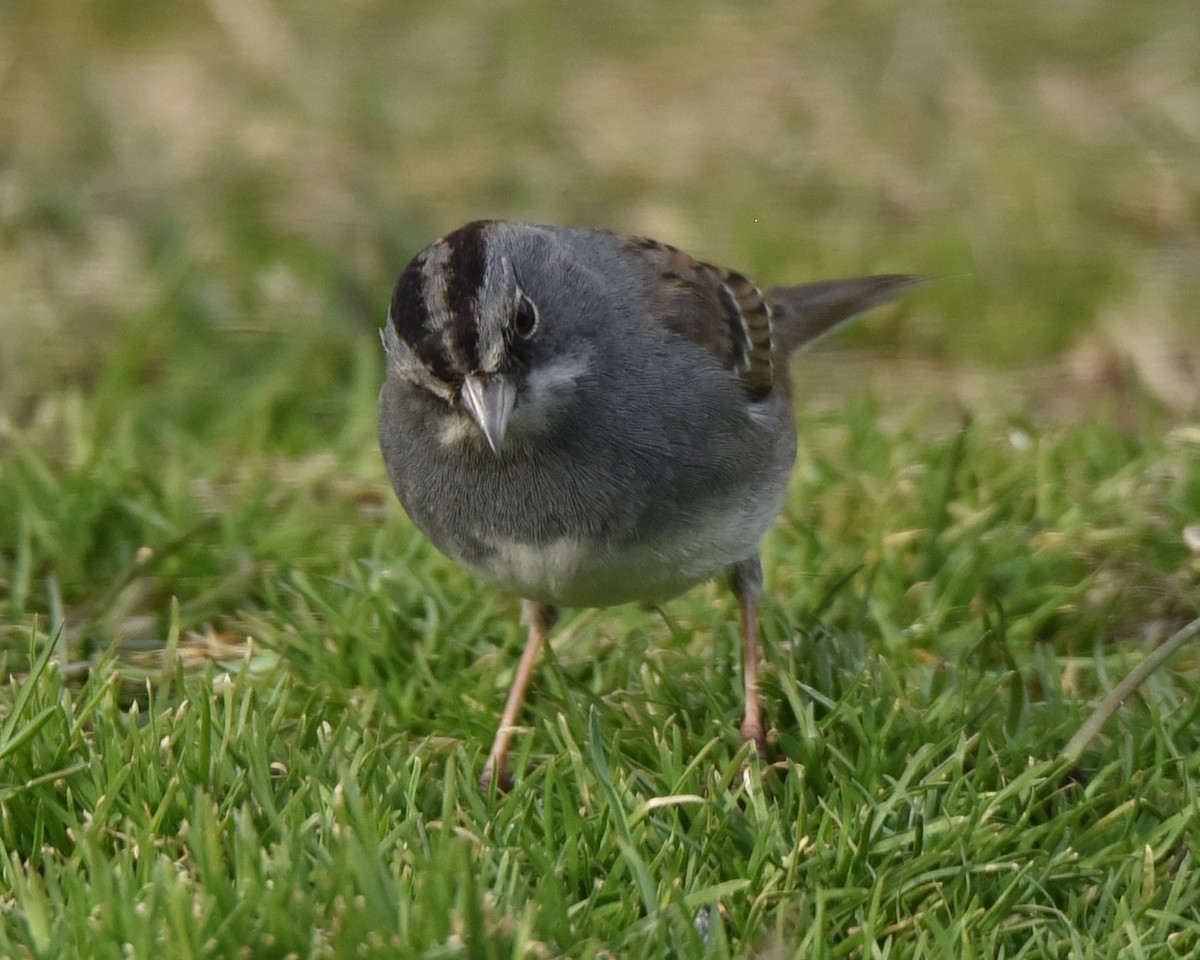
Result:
{"points": [[538, 618], [746, 580]]}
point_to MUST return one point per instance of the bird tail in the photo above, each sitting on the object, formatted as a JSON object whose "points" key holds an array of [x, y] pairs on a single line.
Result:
{"points": [[804, 314]]}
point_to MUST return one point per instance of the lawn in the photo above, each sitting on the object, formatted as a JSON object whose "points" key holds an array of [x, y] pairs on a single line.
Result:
{"points": [[245, 704]]}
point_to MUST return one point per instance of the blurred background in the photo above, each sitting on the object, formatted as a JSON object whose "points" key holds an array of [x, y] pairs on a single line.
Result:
{"points": [[204, 205], [195, 193]]}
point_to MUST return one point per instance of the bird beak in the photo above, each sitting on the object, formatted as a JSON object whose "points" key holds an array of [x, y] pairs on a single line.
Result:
{"points": [[489, 399]]}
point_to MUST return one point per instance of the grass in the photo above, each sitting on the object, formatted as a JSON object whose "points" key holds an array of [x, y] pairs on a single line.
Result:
{"points": [[245, 704], [933, 645]]}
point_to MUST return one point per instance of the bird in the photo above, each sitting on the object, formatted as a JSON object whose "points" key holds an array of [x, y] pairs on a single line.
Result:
{"points": [[583, 418]]}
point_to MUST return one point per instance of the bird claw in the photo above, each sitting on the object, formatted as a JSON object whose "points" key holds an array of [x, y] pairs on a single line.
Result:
{"points": [[504, 783], [753, 732]]}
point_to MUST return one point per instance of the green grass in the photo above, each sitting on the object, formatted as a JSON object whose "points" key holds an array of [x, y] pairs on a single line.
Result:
{"points": [[244, 704], [933, 644]]}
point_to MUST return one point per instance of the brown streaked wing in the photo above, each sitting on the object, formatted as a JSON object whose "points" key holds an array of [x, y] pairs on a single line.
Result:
{"points": [[721, 310]]}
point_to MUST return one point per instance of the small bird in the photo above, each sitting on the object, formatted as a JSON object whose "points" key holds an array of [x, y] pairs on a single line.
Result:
{"points": [[583, 418]]}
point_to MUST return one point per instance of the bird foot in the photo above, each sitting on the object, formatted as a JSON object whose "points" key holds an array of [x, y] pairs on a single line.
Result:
{"points": [[502, 778], [752, 732]]}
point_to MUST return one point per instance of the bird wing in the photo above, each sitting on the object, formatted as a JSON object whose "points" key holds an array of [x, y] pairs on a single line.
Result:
{"points": [[719, 309]]}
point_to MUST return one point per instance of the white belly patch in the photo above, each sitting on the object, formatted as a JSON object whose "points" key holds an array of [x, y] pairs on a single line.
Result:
{"points": [[576, 573]]}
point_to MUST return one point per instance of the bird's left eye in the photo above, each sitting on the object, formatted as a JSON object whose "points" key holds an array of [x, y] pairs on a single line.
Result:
{"points": [[525, 317]]}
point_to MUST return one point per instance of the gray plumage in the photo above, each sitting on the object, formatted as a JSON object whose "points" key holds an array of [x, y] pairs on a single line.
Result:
{"points": [[584, 418]]}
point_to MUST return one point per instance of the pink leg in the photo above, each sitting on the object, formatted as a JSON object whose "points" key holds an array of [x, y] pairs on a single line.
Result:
{"points": [[538, 618], [746, 580]]}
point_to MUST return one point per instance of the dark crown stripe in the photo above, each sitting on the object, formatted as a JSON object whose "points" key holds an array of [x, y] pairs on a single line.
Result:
{"points": [[466, 267], [411, 318], [436, 298], [409, 313]]}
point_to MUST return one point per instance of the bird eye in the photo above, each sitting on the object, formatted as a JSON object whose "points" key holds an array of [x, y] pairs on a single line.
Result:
{"points": [[525, 317]]}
